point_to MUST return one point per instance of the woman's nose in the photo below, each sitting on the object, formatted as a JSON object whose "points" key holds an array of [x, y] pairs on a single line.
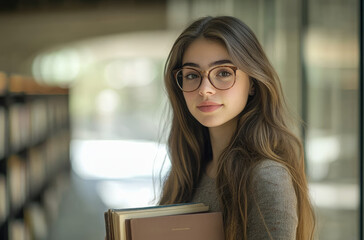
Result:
{"points": [[206, 88]]}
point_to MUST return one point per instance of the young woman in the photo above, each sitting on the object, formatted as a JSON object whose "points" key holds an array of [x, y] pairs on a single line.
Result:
{"points": [[230, 144]]}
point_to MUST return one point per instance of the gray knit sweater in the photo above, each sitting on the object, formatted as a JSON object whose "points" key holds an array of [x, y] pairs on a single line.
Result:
{"points": [[273, 213]]}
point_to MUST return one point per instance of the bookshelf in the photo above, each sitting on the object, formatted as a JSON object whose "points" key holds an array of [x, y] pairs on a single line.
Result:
{"points": [[34, 155]]}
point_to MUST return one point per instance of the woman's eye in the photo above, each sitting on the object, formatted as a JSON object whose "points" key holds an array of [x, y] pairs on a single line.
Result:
{"points": [[191, 76], [224, 74]]}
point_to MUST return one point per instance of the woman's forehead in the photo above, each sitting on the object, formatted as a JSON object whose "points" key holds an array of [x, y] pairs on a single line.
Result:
{"points": [[204, 52]]}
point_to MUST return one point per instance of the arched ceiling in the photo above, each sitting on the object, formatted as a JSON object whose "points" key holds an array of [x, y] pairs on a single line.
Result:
{"points": [[26, 34]]}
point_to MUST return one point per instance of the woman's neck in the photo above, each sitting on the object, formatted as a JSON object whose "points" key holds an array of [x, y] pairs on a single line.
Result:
{"points": [[220, 138]]}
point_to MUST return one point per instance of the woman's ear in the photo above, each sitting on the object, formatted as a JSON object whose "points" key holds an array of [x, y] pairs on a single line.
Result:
{"points": [[252, 88]]}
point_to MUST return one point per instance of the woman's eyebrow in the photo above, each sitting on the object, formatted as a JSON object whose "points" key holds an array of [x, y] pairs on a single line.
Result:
{"points": [[218, 62], [190, 64]]}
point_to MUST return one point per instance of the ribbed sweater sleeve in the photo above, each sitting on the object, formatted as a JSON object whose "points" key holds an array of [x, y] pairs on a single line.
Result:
{"points": [[273, 204]]}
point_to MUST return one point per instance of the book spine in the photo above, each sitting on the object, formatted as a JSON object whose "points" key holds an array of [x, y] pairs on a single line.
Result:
{"points": [[4, 202], [107, 226]]}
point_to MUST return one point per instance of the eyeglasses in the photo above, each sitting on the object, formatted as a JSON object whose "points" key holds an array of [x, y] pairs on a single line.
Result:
{"points": [[190, 79]]}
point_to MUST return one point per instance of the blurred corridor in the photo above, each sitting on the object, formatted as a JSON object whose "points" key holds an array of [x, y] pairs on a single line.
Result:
{"points": [[111, 54]]}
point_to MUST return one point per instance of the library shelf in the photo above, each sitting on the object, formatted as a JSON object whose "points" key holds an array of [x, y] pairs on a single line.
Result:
{"points": [[34, 155]]}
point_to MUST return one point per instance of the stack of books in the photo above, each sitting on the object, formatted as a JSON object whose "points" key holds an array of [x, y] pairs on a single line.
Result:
{"points": [[190, 221]]}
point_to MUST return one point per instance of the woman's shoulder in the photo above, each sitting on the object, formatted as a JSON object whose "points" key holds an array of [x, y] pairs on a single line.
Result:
{"points": [[270, 176], [268, 163], [270, 169]]}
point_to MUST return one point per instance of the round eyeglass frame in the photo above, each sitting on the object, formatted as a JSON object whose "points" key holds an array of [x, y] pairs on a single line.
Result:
{"points": [[202, 74]]}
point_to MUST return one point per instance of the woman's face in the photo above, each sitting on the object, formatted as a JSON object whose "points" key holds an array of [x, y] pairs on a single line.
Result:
{"points": [[210, 106]]}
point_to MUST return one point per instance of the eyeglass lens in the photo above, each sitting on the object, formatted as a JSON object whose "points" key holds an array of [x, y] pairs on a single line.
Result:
{"points": [[190, 79]]}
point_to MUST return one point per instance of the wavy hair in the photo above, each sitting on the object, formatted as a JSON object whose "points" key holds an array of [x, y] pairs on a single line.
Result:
{"points": [[263, 131]]}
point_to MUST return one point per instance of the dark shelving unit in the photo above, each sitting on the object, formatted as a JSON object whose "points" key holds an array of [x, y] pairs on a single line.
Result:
{"points": [[34, 153]]}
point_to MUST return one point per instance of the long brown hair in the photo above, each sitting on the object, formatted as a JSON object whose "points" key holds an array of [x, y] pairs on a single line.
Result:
{"points": [[263, 131]]}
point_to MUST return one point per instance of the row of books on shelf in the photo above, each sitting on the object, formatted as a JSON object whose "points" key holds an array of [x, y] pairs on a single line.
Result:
{"points": [[34, 155], [57, 112], [19, 84], [39, 215], [30, 122], [27, 175]]}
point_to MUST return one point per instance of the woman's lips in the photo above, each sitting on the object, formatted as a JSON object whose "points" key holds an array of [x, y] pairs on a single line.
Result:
{"points": [[208, 106]]}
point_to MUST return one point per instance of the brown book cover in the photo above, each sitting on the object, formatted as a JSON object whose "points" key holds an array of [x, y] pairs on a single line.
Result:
{"points": [[197, 226], [117, 221]]}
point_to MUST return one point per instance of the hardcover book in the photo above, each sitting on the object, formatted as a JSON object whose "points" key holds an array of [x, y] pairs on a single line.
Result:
{"points": [[170, 222]]}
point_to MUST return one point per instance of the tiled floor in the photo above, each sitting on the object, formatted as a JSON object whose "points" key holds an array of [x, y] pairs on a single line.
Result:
{"points": [[80, 214], [84, 202], [93, 188]]}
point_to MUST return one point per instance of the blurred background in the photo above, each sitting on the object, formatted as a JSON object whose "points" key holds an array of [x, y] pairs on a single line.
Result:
{"points": [[109, 56]]}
